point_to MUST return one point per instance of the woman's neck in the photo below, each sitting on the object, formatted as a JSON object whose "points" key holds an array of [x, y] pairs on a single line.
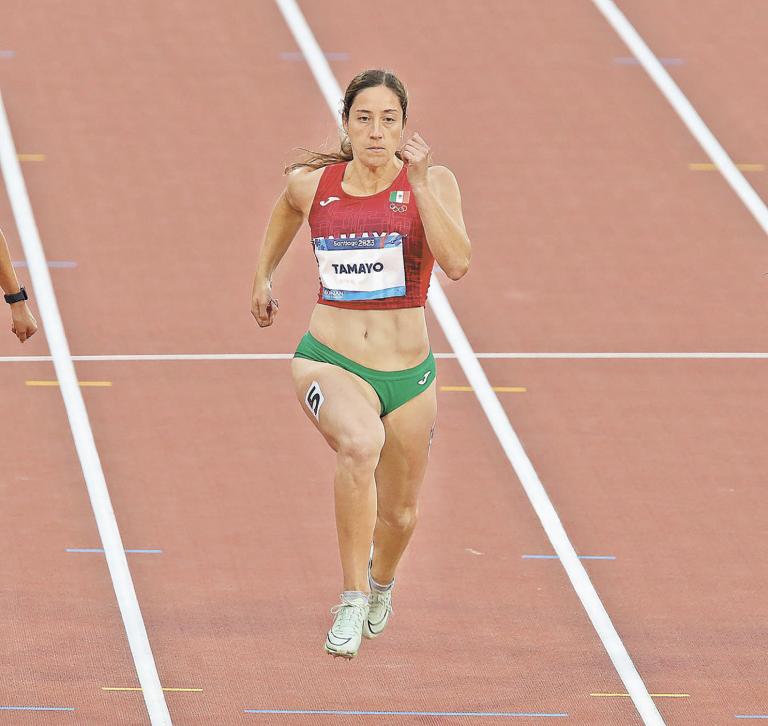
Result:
{"points": [[372, 179]]}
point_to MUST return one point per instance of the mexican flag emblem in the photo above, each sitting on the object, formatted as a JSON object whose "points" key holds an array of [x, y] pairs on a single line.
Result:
{"points": [[400, 197]]}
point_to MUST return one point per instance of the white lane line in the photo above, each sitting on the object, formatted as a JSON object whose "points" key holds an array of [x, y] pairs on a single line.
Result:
{"points": [[498, 419], [81, 428], [488, 356], [685, 110]]}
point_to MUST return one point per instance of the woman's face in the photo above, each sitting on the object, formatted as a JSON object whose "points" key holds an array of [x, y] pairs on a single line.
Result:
{"points": [[375, 125]]}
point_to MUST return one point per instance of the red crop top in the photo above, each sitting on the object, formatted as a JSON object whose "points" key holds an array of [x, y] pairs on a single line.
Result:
{"points": [[371, 251]]}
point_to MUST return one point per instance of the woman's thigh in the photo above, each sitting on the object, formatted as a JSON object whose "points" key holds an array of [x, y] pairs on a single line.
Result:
{"points": [[403, 460], [342, 406]]}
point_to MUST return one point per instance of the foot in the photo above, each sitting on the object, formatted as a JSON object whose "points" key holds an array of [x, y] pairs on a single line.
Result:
{"points": [[380, 605], [380, 608], [344, 637]]}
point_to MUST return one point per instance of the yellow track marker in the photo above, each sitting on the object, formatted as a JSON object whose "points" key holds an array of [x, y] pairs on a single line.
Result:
{"points": [[93, 384], [652, 695], [500, 389], [186, 690], [712, 167], [31, 157]]}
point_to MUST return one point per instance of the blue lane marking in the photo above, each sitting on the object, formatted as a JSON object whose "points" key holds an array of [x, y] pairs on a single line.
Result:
{"points": [[581, 557], [7, 53], [757, 715], [632, 61], [299, 56], [61, 264], [100, 549], [413, 713], [36, 708]]}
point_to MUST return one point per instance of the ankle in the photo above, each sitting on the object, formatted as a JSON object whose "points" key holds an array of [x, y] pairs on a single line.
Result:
{"points": [[380, 586], [354, 595]]}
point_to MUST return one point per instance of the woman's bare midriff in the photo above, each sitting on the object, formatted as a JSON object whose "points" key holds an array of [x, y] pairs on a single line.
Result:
{"points": [[387, 340]]}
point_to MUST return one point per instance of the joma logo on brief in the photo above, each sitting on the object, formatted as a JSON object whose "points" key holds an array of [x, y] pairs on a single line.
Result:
{"points": [[358, 268]]}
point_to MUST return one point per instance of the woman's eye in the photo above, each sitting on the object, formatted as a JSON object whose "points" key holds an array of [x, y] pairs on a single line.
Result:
{"points": [[362, 118], [389, 120]]}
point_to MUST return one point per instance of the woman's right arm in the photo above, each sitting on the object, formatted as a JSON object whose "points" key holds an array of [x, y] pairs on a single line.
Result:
{"points": [[23, 323], [8, 280], [284, 223]]}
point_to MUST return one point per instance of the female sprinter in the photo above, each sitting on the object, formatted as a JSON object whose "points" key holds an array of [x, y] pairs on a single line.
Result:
{"points": [[364, 373]]}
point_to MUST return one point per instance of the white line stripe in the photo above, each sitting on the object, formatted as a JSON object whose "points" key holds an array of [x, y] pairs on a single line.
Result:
{"points": [[190, 356], [489, 356], [685, 110], [608, 356], [81, 428], [498, 419]]}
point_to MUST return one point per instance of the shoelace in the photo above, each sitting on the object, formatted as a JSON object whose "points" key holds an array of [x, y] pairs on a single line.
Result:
{"points": [[350, 618]]}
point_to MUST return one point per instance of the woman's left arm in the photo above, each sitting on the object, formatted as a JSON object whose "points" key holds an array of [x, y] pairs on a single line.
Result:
{"points": [[439, 202]]}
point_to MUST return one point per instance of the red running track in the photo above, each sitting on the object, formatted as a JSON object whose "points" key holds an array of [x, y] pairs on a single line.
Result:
{"points": [[165, 127]]}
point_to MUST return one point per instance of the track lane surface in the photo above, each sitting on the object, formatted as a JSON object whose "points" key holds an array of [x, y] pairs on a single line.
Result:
{"points": [[664, 474], [722, 67], [61, 628], [721, 47], [136, 332]]}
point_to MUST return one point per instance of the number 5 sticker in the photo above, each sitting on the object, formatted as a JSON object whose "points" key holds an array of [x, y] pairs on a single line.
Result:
{"points": [[314, 399]]}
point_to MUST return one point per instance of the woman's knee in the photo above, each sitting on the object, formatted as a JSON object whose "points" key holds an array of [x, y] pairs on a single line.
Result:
{"points": [[360, 449], [401, 519]]}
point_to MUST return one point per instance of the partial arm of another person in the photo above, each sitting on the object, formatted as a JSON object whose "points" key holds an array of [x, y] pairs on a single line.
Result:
{"points": [[439, 201], [23, 323], [283, 225]]}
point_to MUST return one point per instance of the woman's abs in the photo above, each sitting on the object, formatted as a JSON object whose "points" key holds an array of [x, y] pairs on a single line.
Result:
{"points": [[387, 340]]}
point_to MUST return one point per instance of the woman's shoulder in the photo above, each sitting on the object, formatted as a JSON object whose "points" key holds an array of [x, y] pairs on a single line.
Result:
{"points": [[301, 186], [304, 176]]}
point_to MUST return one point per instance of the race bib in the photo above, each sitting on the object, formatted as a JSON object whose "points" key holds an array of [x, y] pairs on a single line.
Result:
{"points": [[364, 267]]}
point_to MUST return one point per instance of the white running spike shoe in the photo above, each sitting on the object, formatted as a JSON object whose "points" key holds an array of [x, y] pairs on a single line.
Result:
{"points": [[380, 607], [344, 637], [378, 614]]}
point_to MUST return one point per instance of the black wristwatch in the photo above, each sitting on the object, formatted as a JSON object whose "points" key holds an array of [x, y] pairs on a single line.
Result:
{"points": [[17, 296]]}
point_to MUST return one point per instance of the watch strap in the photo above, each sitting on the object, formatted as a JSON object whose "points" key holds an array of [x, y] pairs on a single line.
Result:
{"points": [[17, 296]]}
